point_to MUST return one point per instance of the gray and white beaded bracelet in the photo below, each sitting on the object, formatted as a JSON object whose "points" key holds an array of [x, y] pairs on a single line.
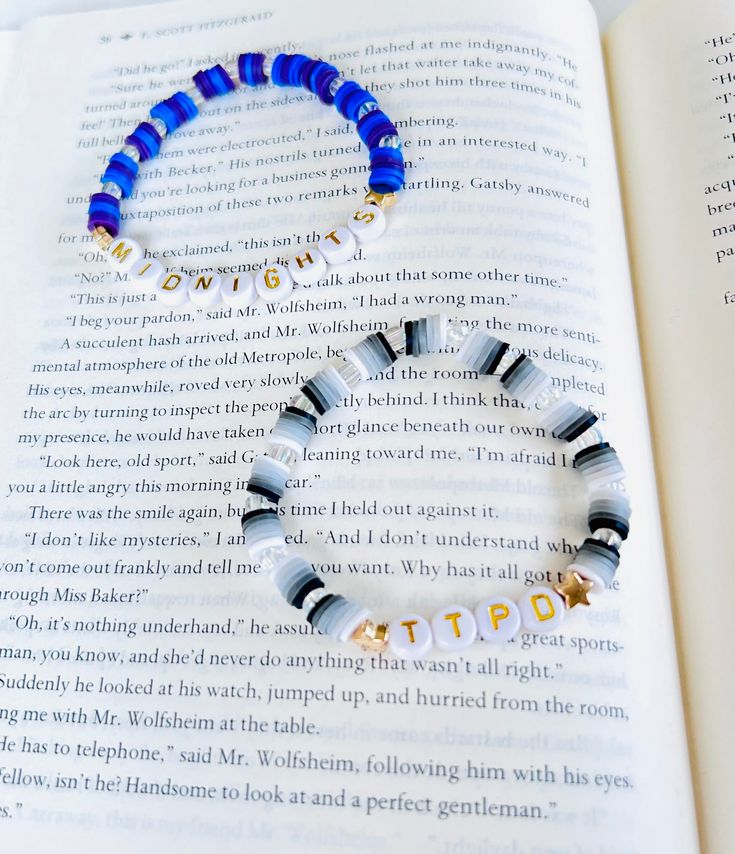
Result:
{"points": [[453, 627]]}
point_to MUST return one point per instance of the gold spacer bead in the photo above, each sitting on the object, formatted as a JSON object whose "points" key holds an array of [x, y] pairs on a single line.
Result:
{"points": [[102, 238], [371, 637], [574, 588], [382, 200]]}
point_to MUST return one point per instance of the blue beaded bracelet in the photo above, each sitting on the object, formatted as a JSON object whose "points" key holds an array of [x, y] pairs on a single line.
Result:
{"points": [[273, 282], [454, 627]]}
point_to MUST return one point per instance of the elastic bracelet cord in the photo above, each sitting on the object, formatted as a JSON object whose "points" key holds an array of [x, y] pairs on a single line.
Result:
{"points": [[453, 627], [273, 282]]}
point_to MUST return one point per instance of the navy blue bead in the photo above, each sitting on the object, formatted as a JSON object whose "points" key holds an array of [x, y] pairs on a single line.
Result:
{"points": [[250, 68], [349, 98], [316, 76], [204, 84], [104, 210], [373, 127], [146, 139], [122, 170], [387, 170]]}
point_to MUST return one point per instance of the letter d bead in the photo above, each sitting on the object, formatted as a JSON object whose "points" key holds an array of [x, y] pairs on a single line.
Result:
{"points": [[542, 610], [410, 637]]}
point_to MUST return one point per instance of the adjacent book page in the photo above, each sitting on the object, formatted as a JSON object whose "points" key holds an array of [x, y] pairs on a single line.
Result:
{"points": [[155, 691], [672, 70]]}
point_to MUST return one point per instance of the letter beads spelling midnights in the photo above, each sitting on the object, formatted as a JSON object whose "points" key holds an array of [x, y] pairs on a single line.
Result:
{"points": [[454, 627], [273, 282]]}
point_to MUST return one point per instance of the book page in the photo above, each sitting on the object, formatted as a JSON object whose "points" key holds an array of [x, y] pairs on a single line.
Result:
{"points": [[156, 691], [672, 71], [8, 43]]}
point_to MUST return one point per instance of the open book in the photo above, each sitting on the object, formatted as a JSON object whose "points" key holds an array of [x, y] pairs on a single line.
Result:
{"points": [[155, 692]]}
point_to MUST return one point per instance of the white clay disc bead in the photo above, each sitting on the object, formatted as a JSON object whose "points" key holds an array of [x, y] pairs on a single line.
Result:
{"points": [[454, 628], [367, 223], [338, 245], [542, 610], [498, 619], [308, 267], [204, 288], [273, 283], [146, 274], [172, 288], [238, 290], [409, 637], [124, 253]]}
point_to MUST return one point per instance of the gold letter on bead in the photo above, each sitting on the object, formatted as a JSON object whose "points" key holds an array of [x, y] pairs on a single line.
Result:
{"points": [[302, 259], [364, 216], [409, 624], [271, 278], [165, 285], [333, 237], [120, 251], [497, 613], [142, 269], [454, 617], [204, 282], [540, 616]]}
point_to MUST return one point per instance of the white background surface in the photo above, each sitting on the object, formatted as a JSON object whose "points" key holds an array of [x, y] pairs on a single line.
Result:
{"points": [[14, 13]]}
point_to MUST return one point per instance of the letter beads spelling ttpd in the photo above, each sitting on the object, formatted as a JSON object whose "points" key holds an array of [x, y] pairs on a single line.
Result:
{"points": [[454, 627], [273, 282]]}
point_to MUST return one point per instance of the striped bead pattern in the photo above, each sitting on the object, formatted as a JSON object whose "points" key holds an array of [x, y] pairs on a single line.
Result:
{"points": [[597, 559], [427, 335], [295, 579], [565, 420], [524, 380], [293, 429], [481, 352], [337, 617], [454, 627], [371, 356], [376, 131], [326, 389], [599, 465], [609, 508], [262, 530], [268, 478]]}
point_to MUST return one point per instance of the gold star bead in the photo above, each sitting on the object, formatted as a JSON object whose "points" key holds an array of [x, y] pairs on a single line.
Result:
{"points": [[371, 637], [574, 589], [382, 200]]}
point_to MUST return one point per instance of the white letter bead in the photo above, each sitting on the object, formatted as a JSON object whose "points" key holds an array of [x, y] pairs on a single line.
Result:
{"points": [[238, 290], [454, 628], [124, 253], [147, 273], [273, 283], [410, 637], [308, 267], [542, 610], [498, 619], [367, 224], [204, 288], [338, 245], [171, 289]]}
